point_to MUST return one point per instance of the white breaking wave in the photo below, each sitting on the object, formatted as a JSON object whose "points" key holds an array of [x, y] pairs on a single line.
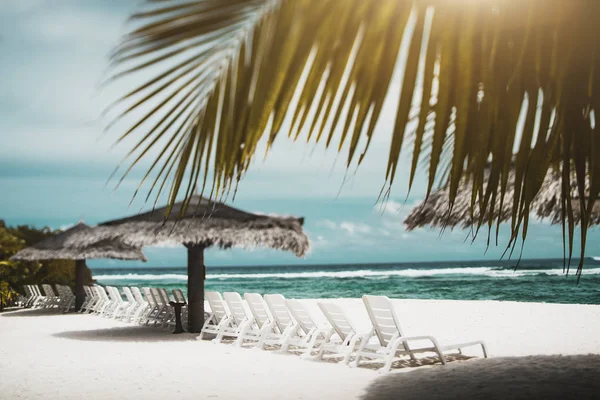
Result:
{"points": [[370, 274]]}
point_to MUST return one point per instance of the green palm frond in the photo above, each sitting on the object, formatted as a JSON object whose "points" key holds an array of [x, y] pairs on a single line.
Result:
{"points": [[224, 74]]}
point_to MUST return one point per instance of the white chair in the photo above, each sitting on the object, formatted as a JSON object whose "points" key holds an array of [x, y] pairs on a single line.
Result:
{"points": [[142, 307], [218, 317], [51, 299], [132, 304], [307, 335], [268, 332], [90, 298], [342, 338], [391, 341], [152, 306], [67, 298], [240, 325]]}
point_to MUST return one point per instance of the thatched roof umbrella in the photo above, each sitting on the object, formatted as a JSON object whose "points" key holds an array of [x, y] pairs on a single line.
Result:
{"points": [[65, 246], [204, 224], [435, 211]]}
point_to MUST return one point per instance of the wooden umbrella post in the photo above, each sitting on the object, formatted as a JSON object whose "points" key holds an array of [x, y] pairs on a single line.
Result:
{"points": [[79, 282], [196, 275]]}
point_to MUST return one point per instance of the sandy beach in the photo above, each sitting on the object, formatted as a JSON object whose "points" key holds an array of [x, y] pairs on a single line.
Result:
{"points": [[50, 356]]}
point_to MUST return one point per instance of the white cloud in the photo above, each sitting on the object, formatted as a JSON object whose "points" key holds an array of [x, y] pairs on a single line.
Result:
{"points": [[327, 223], [353, 228], [391, 207]]}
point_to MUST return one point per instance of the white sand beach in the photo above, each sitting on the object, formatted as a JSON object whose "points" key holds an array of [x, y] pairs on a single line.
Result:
{"points": [[52, 356]]}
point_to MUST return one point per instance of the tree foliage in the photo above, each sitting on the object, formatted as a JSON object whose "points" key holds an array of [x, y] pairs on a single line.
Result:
{"points": [[504, 82], [15, 274]]}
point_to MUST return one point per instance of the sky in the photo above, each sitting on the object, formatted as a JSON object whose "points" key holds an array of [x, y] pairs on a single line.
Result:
{"points": [[55, 158]]}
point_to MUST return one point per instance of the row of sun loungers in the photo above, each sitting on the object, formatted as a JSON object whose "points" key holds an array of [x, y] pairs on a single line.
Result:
{"points": [[143, 306], [45, 297], [270, 321], [287, 324]]}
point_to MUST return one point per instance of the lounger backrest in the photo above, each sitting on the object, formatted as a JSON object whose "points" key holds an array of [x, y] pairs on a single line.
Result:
{"points": [[279, 310], [137, 295], [129, 295], [48, 290], [301, 315], [148, 296], [102, 293], [87, 291], [178, 295], [236, 307], [382, 315], [37, 290], [338, 319], [156, 296], [28, 291], [164, 296], [257, 308], [217, 305]]}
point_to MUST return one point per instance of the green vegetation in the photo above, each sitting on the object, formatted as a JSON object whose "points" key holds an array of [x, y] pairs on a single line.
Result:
{"points": [[15, 274]]}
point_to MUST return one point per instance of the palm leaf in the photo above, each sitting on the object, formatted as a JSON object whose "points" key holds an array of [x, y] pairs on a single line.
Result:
{"points": [[222, 74]]}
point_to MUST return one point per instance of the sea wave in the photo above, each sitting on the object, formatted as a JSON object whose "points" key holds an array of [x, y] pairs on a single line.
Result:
{"points": [[368, 274]]}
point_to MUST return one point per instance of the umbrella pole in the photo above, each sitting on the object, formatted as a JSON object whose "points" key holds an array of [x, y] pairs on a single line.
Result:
{"points": [[196, 274], [79, 281]]}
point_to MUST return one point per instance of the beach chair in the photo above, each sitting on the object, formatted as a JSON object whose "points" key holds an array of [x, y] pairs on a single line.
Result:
{"points": [[160, 307], [143, 305], [117, 304], [342, 339], [51, 300], [391, 341], [94, 301], [218, 316], [103, 302], [40, 299], [67, 298], [30, 295], [168, 313], [132, 304], [152, 306], [89, 299], [268, 332], [307, 335], [240, 325]]}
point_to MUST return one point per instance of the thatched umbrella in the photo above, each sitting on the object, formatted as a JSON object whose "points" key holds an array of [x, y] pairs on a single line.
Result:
{"points": [[435, 211], [65, 246], [204, 224]]}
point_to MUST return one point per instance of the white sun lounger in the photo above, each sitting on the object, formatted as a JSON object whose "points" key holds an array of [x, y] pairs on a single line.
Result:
{"points": [[391, 341], [51, 299], [240, 325], [307, 335], [132, 304], [218, 317], [342, 338], [268, 329], [142, 307]]}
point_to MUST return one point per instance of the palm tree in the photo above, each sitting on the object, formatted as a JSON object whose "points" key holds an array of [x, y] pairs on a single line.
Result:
{"points": [[512, 84]]}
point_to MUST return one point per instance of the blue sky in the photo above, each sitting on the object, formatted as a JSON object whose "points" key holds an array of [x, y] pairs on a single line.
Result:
{"points": [[55, 159]]}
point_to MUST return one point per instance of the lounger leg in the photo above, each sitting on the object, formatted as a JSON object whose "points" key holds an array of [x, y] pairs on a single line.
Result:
{"points": [[244, 329]]}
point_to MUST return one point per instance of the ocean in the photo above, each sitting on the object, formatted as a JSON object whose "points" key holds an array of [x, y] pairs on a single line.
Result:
{"points": [[532, 281]]}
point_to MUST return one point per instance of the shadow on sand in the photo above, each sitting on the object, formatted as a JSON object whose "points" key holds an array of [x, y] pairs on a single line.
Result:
{"points": [[533, 377], [127, 334], [38, 312]]}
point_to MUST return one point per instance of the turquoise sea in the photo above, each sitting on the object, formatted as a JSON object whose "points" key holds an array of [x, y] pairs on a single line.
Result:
{"points": [[532, 280]]}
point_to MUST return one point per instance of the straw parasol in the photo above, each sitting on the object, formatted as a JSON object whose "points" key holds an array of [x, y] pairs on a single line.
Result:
{"points": [[201, 225], [64, 246], [435, 211]]}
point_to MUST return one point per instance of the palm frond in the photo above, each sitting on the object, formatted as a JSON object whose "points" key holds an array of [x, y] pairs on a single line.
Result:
{"points": [[224, 74]]}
